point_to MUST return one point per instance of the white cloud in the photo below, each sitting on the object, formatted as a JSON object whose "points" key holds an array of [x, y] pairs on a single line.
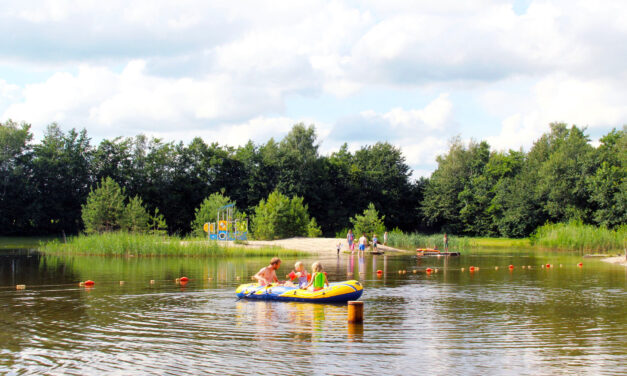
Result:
{"points": [[189, 67], [593, 103], [110, 102]]}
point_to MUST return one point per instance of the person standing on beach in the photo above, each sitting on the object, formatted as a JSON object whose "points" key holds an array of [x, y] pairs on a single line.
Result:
{"points": [[445, 243], [385, 238], [350, 238]]}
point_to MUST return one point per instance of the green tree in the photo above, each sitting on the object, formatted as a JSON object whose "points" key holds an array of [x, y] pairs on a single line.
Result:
{"points": [[208, 211], [313, 230], [61, 179], [104, 208], [280, 217], [442, 204], [608, 185], [135, 217], [157, 223], [369, 222], [16, 193], [563, 175]]}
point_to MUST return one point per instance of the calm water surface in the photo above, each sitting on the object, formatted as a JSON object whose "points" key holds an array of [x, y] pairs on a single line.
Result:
{"points": [[562, 320]]}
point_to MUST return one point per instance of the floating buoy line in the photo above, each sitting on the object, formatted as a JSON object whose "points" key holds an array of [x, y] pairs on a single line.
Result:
{"points": [[184, 280]]}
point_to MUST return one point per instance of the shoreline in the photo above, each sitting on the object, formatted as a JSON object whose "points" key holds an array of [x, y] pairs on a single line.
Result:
{"points": [[618, 260], [322, 246]]}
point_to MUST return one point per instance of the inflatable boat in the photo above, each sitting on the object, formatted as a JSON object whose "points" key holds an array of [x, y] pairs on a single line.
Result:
{"points": [[337, 292]]}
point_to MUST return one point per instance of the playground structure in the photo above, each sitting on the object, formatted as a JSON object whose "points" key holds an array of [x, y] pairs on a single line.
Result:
{"points": [[227, 227]]}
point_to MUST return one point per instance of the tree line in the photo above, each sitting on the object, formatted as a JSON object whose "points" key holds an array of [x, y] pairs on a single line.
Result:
{"points": [[473, 191]]}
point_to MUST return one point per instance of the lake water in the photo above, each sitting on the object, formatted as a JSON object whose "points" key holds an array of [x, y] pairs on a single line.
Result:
{"points": [[562, 320]]}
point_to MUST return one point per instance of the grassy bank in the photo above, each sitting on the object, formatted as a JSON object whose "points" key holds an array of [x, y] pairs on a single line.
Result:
{"points": [[126, 244], [17, 242], [579, 237], [416, 240]]}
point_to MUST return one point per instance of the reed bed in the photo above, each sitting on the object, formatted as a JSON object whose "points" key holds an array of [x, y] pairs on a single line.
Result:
{"points": [[577, 236], [124, 244], [415, 240]]}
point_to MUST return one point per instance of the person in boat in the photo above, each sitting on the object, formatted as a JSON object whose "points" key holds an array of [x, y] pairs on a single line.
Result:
{"points": [[299, 273], [318, 278], [267, 274]]}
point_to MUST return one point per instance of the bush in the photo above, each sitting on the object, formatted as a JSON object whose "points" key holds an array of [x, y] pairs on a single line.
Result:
{"points": [[105, 211], [207, 212], [280, 217], [104, 208], [369, 222], [313, 230]]}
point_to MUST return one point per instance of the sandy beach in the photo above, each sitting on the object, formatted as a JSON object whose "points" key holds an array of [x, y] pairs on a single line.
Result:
{"points": [[313, 245], [616, 260]]}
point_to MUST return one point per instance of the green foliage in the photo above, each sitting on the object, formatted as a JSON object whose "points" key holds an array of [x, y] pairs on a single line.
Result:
{"points": [[608, 185], [104, 209], [578, 236], [313, 230], [14, 171], [208, 211], [135, 218], [411, 241], [342, 233], [157, 224], [127, 244], [369, 222], [474, 191], [280, 217]]}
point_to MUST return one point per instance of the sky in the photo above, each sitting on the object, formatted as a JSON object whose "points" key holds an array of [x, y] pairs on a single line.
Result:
{"points": [[413, 73]]}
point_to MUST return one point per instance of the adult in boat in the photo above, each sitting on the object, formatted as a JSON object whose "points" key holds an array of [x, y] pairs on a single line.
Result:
{"points": [[267, 274]]}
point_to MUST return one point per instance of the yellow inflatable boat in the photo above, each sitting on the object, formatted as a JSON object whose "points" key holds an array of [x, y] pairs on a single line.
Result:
{"points": [[337, 292]]}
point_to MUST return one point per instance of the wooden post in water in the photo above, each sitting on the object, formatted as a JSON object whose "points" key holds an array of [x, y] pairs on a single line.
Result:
{"points": [[355, 311]]}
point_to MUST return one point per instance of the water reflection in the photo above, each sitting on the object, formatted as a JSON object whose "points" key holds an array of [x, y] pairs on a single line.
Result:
{"points": [[528, 321]]}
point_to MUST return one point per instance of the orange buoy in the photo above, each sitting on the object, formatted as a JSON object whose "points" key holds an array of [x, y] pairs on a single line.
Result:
{"points": [[379, 271], [580, 264], [183, 279], [429, 270], [548, 265], [89, 282], [511, 266], [472, 269]]}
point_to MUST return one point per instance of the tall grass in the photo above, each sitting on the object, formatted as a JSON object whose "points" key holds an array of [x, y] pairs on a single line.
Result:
{"points": [[580, 237], [415, 240], [127, 244]]}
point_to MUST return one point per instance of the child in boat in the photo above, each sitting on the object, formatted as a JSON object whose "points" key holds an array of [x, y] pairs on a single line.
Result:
{"points": [[300, 273], [318, 278]]}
